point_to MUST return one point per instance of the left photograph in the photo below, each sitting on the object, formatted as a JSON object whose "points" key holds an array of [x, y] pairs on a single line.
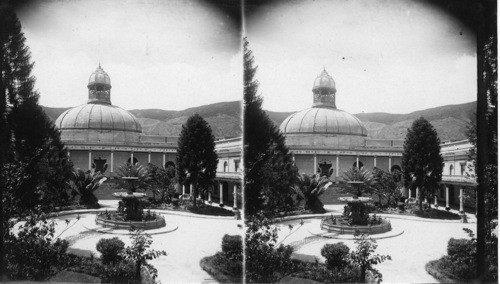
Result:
{"points": [[121, 141]]}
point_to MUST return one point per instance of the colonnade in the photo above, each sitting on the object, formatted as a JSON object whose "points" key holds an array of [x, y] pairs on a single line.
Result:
{"points": [[221, 193], [337, 162]]}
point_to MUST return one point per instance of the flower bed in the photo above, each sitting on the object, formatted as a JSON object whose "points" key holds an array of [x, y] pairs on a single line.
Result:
{"points": [[111, 219], [339, 225]]}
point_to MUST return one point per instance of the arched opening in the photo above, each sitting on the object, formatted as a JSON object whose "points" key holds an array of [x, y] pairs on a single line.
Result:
{"points": [[225, 167], [395, 168], [135, 161], [100, 165], [169, 164], [360, 165], [451, 170]]}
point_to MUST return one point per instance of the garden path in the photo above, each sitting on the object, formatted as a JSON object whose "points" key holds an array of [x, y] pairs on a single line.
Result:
{"points": [[423, 240], [194, 239]]}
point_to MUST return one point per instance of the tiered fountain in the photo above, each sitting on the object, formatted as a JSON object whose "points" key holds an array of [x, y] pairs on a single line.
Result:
{"points": [[130, 213], [355, 217]]}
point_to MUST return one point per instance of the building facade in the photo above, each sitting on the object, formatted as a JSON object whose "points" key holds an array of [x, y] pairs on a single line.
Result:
{"points": [[103, 136], [458, 184]]}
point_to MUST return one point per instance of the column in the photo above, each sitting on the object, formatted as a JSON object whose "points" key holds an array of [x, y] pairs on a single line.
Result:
{"points": [[132, 157], [69, 153], [315, 165], [221, 202], [357, 162], [210, 197], [183, 189], [447, 198], [461, 200], [293, 157], [436, 201], [390, 163], [90, 159], [235, 196], [190, 189], [149, 157], [112, 160], [163, 165], [409, 193], [374, 161], [337, 167], [416, 194]]}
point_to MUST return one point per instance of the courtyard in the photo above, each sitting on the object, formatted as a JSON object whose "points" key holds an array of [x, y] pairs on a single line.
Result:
{"points": [[422, 240], [196, 237]]}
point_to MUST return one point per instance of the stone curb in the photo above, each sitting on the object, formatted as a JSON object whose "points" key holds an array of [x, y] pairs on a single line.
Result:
{"points": [[167, 212], [404, 217]]}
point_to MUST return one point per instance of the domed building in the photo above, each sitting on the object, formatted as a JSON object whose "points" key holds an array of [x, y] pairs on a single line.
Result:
{"points": [[103, 136], [327, 140], [98, 120]]}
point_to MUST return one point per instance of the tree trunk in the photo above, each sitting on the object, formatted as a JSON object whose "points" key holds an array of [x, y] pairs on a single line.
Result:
{"points": [[420, 199]]}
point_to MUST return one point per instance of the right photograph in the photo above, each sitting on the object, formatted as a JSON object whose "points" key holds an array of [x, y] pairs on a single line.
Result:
{"points": [[370, 141]]}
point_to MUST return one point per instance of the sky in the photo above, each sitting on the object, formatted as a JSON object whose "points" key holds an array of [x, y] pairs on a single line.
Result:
{"points": [[385, 56], [168, 55]]}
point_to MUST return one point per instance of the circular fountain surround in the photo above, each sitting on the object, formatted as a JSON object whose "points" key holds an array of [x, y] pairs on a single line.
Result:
{"points": [[332, 225], [111, 219]]}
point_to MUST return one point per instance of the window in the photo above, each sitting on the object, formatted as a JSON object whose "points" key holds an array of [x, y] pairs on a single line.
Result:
{"points": [[225, 166], [236, 165], [451, 170], [462, 169]]}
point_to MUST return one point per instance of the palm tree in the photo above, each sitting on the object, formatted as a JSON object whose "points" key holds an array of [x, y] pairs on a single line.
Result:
{"points": [[361, 175], [310, 188]]}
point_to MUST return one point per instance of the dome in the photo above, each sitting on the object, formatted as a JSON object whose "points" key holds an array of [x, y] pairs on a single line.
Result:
{"points": [[324, 81], [99, 76], [323, 120], [98, 117]]}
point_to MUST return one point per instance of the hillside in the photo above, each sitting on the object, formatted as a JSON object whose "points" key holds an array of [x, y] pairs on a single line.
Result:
{"points": [[224, 118], [450, 121]]}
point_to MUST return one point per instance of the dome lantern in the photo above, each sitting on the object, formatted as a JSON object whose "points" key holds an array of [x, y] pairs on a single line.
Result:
{"points": [[99, 87], [324, 91]]}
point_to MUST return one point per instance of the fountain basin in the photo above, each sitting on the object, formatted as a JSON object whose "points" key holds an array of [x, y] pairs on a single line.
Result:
{"points": [[124, 194], [328, 225], [109, 220], [351, 199]]}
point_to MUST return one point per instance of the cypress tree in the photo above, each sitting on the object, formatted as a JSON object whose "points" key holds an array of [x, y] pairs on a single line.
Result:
{"points": [[196, 158], [269, 168], [34, 162], [422, 161]]}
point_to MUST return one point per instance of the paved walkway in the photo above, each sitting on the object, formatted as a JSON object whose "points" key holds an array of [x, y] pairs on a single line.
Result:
{"points": [[194, 239], [423, 240]]}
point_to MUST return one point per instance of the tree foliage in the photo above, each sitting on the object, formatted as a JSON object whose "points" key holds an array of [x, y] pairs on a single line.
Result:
{"points": [[269, 169], [422, 161], [362, 175], [140, 253], [387, 185], [85, 183], [161, 182], [196, 158], [311, 188]]}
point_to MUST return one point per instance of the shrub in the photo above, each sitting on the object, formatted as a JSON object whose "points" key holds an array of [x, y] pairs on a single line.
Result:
{"points": [[336, 255], [33, 254], [266, 259], [232, 245], [121, 272], [139, 253], [111, 250], [364, 259], [461, 249]]}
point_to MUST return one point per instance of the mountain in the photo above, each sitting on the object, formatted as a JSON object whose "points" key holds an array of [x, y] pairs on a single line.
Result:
{"points": [[224, 119], [450, 121]]}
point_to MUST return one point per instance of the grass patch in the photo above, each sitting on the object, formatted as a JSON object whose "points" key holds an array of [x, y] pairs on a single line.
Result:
{"points": [[209, 210], [216, 266], [432, 213]]}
